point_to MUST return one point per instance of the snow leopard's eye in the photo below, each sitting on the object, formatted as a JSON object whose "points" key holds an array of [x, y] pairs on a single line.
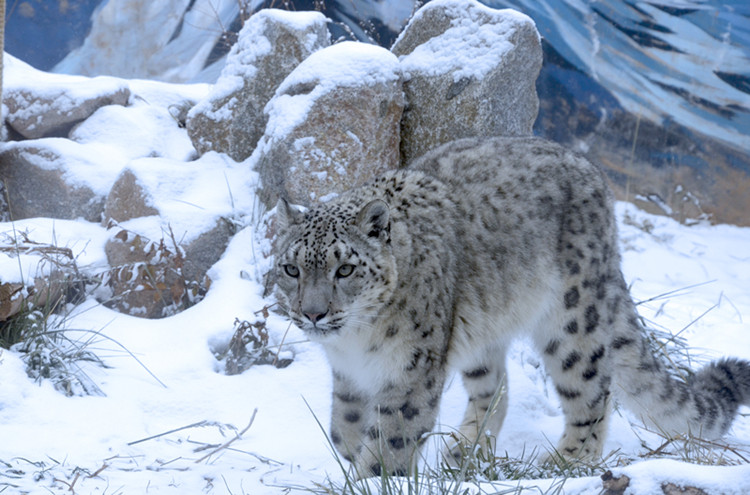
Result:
{"points": [[344, 271], [291, 270]]}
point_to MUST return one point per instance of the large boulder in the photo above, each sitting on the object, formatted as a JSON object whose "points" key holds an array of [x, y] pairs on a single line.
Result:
{"points": [[50, 105], [270, 45], [469, 71], [332, 125]]}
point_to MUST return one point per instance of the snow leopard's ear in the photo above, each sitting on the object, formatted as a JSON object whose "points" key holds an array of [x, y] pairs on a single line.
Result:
{"points": [[374, 218], [286, 215]]}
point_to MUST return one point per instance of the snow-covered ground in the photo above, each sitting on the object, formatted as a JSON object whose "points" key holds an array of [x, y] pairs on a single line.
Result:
{"points": [[167, 405]]}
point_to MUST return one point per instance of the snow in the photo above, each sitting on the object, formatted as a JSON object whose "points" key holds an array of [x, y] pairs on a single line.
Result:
{"points": [[344, 64], [192, 196], [85, 239], [166, 400]]}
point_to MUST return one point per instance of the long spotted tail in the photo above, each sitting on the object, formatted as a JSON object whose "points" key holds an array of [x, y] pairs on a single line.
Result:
{"points": [[704, 405], [719, 389]]}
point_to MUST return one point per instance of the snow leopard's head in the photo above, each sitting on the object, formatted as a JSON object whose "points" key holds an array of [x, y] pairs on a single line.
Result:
{"points": [[334, 266]]}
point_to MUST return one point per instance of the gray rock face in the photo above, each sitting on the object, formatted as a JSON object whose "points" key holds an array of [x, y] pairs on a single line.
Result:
{"points": [[270, 45], [202, 252], [53, 110], [333, 124], [37, 186], [469, 71]]}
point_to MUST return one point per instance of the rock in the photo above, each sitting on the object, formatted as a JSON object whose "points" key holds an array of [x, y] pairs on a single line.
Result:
{"points": [[4, 208], [469, 71], [154, 279], [57, 280], [37, 185], [151, 130], [613, 485], [51, 105], [332, 125], [127, 200], [187, 197], [202, 252], [672, 489], [270, 45], [171, 221], [147, 277], [12, 299]]}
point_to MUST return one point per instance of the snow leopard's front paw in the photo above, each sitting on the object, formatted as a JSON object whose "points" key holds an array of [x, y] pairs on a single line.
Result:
{"points": [[462, 453], [573, 451]]}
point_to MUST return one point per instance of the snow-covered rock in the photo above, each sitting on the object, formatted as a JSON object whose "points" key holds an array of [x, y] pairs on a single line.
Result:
{"points": [[176, 40], [190, 196], [134, 167], [38, 182], [41, 104], [332, 125], [614, 73], [469, 71], [154, 278], [270, 45], [70, 176], [170, 222]]}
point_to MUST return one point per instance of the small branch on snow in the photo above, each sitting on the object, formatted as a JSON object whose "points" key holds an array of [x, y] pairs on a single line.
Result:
{"points": [[230, 442], [194, 425], [99, 471]]}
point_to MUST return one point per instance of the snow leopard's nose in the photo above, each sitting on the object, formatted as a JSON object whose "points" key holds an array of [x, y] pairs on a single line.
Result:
{"points": [[316, 317]]}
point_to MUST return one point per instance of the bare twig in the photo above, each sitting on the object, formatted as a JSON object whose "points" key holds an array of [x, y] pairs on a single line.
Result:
{"points": [[674, 292], [230, 442], [194, 425], [99, 471], [276, 359]]}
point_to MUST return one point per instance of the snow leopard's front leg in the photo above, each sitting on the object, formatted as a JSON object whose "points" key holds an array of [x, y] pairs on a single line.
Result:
{"points": [[351, 417], [401, 416]]}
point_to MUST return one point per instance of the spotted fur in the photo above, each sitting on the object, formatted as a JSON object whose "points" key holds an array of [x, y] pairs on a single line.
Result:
{"points": [[440, 265]]}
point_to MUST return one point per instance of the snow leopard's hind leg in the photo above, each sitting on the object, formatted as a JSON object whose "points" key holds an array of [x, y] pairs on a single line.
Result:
{"points": [[576, 343]]}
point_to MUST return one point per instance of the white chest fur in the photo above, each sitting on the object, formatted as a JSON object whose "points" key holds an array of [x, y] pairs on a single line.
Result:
{"points": [[370, 363]]}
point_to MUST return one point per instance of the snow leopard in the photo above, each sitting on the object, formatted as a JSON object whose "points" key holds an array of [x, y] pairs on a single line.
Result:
{"points": [[437, 266]]}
